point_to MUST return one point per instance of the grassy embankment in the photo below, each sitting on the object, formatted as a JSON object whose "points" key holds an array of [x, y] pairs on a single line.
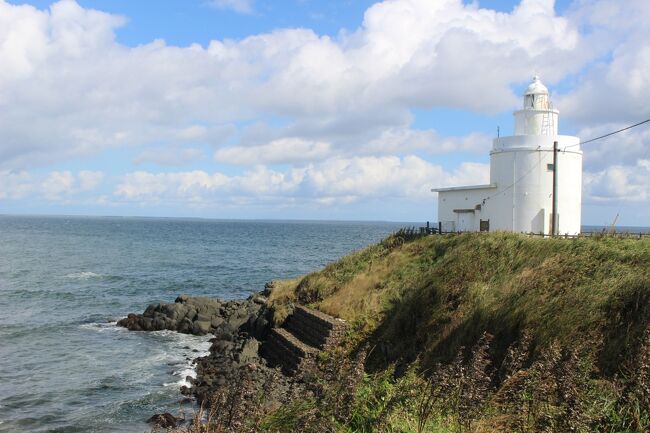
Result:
{"points": [[491, 332], [480, 333]]}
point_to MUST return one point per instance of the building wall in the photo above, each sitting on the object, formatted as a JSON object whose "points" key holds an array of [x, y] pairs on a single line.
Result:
{"points": [[536, 122], [462, 199], [522, 200], [519, 166]]}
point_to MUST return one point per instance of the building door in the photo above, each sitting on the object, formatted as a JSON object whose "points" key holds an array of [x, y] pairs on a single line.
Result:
{"points": [[465, 222]]}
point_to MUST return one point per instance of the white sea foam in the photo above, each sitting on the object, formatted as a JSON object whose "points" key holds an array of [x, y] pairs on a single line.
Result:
{"points": [[102, 326], [186, 346], [187, 371], [82, 275]]}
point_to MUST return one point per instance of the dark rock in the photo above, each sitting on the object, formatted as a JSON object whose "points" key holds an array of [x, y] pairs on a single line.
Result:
{"points": [[261, 300], [164, 420], [201, 327], [268, 289], [151, 309], [185, 326], [238, 328], [249, 352], [261, 328]]}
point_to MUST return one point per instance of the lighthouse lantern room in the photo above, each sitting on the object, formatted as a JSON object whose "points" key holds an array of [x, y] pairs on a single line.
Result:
{"points": [[524, 168]]}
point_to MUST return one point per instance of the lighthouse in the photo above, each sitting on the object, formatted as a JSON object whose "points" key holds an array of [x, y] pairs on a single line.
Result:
{"points": [[535, 178]]}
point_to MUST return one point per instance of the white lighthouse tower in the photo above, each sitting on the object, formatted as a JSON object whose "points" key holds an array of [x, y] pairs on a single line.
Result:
{"points": [[521, 196]]}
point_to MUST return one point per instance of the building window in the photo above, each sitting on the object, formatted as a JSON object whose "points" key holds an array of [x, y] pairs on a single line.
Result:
{"points": [[549, 167]]}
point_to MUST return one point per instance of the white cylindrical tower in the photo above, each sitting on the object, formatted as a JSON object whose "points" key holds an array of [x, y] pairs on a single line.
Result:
{"points": [[522, 167], [538, 116]]}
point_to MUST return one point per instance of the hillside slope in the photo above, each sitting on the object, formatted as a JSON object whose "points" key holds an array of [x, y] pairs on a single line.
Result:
{"points": [[490, 332]]}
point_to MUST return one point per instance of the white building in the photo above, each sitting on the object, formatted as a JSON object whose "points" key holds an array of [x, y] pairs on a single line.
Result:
{"points": [[519, 196]]}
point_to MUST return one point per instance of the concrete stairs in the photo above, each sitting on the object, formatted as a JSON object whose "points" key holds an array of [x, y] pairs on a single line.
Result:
{"points": [[304, 334]]}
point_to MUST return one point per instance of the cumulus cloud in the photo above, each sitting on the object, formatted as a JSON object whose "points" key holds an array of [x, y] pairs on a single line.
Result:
{"points": [[617, 87], [15, 185], [90, 180], [240, 6], [52, 186], [623, 149], [335, 180], [67, 88], [620, 183], [284, 150], [403, 140]]}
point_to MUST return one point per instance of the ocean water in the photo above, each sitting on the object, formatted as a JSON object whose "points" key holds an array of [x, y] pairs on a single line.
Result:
{"points": [[65, 281]]}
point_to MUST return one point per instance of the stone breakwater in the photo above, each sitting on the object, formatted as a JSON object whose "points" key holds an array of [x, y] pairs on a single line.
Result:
{"points": [[246, 350]]}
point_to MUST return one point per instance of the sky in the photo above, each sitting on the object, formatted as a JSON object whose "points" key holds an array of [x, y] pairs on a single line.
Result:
{"points": [[306, 109]]}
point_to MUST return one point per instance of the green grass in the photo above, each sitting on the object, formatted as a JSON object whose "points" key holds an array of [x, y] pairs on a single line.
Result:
{"points": [[477, 333], [417, 302], [437, 293]]}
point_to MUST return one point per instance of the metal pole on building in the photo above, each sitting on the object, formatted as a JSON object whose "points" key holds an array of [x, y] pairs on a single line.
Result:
{"points": [[554, 225]]}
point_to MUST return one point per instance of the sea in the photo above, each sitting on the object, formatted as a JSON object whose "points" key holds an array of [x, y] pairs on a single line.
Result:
{"points": [[64, 282]]}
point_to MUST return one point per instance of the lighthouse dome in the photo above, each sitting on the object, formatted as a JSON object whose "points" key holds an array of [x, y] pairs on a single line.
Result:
{"points": [[536, 87], [536, 96]]}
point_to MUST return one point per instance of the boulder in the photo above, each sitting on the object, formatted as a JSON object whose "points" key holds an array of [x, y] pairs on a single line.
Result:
{"points": [[201, 327], [185, 326], [182, 299], [216, 321], [198, 316], [249, 352], [164, 420]]}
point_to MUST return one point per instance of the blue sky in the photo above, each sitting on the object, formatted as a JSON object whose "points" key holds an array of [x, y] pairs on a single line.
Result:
{"points": [[305, 108]]}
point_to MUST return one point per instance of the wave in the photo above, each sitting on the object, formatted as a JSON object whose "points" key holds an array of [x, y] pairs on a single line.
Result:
{"points": [[83, 275], [178, 350], [102, 326], [194, 347]]}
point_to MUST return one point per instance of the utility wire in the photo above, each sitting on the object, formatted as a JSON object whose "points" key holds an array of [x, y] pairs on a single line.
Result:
{"points": [[543, 157], [608, 135], [573, 145]]}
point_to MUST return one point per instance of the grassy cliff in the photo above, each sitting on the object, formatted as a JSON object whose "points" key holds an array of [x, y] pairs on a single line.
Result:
{"points": [[486, 332]]}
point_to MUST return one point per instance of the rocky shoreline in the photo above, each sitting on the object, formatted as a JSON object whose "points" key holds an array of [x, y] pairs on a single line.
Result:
{"points": [[236, 360]]}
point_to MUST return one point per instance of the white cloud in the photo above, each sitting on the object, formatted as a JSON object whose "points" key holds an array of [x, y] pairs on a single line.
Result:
{"points": [[67, 88], [339, 180], [90, 180], [58, 183], [620, 183], [403, 140], [284, 150], [52, 186], [240, 6], [15, 185], [624, 149], [615, 89]]}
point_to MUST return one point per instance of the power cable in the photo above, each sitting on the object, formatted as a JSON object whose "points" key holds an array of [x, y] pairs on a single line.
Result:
{"points": [[608, 135], [518, 180], [564, 149]]}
